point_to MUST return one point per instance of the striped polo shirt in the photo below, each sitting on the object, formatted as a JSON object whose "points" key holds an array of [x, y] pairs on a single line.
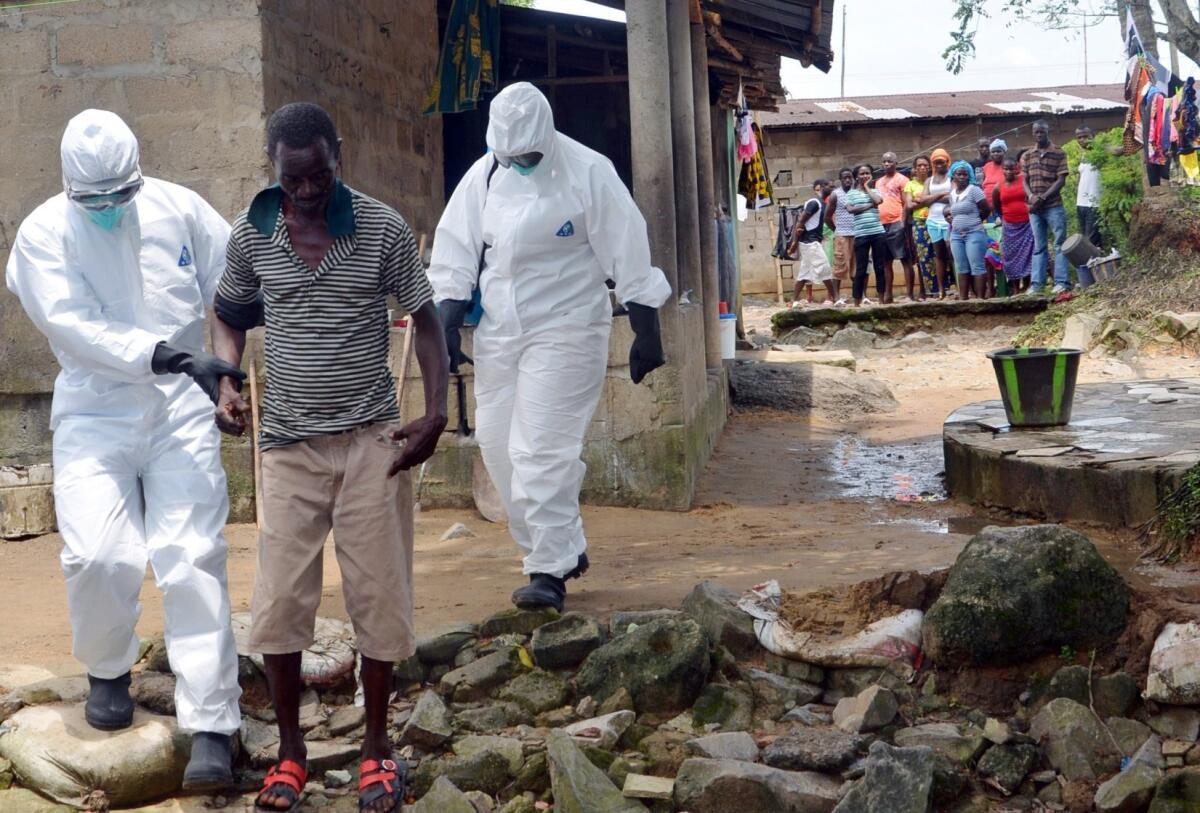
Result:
{"points": [[326, 330]]}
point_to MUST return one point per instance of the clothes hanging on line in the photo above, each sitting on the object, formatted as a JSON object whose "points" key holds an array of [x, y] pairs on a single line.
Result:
{"points": [[789, 218], [754, 184]]}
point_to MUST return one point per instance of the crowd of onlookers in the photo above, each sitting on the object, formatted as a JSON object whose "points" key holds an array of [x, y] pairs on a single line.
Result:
{"points": [[958, 228]]}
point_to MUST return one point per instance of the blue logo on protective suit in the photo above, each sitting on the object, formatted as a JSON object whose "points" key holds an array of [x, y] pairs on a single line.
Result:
{"points": [[185, 257], [567, 230]]}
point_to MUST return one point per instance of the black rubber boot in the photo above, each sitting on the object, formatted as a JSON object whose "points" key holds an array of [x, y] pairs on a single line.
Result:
{"points": [[209, 767], [580, 568], [109, 706], [543, 590]]}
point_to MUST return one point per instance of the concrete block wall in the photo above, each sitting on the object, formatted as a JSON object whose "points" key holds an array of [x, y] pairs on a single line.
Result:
{"points": [[809, 154], [370, 64]]}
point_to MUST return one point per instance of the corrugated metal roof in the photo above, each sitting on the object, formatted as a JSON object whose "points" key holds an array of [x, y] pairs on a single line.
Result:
{"points": [[964, 104]]}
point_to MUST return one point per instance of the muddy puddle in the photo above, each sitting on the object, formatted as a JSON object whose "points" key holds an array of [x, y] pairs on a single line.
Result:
{"points": [[910, 471]]}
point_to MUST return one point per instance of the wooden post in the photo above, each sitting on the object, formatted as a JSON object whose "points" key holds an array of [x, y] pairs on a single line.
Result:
{"points": [[255, 446], [778, 264], [406, 352]]}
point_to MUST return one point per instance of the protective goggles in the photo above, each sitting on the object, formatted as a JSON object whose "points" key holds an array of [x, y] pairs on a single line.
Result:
{"points": [[98, 200], [527, 160]]}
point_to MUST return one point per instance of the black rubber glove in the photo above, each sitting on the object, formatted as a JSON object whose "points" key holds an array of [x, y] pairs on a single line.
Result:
{"points": [[452, 313], [206, 370], [646, 354]]}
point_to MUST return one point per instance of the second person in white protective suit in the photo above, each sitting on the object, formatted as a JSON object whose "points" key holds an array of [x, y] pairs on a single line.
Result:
{"points": [[540, 224], [116, 271]]}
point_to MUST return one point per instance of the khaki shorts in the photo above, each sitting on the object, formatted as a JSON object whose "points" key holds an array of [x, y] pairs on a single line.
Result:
{"points": [[339, 483], [843, 257]]}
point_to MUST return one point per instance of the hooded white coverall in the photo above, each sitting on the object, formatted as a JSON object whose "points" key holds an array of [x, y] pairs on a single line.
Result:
{"points": [[137, 464], [541, 348]]}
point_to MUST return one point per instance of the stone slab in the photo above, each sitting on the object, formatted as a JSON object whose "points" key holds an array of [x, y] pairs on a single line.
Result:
{"points": [[1118, 458], [833, 358]]}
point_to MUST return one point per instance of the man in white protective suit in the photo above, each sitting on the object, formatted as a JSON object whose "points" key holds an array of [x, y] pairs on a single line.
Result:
{"points": [[556, 223], [116, 272]]}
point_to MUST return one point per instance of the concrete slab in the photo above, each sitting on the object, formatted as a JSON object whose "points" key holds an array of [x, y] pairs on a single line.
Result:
{"points": [[1120, 455], [26, 501], [792, 318]]}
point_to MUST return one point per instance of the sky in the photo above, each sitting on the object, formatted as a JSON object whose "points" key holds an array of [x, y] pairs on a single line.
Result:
{"points": [[901, 53]]}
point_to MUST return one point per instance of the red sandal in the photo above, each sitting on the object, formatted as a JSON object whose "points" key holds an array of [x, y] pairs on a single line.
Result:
{"points": [[380, 779], [287, 779]]}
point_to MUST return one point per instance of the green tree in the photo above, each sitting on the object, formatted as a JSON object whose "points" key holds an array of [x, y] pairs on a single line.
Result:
{"points": [[1178, 23], [520, 3]]}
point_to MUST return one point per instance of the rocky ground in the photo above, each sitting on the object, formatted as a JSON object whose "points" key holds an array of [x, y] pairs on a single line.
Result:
{"points": [[1035, 688]]}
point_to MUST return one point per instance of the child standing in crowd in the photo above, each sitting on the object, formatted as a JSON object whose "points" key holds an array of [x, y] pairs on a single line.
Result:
{"points": [[870, 241], [1008, 200], [937, 193], [838, 218], [968, 241], [918, 234], [806, 241]]}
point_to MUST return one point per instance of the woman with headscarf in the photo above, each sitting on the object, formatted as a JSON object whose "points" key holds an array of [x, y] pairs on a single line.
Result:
{"points": [[918, 232], [993, 170], [1008, 201], [937, 193], [966, 212]]}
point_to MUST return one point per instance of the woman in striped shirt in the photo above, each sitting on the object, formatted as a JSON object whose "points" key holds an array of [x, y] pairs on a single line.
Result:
{"points": [[870, 242]]}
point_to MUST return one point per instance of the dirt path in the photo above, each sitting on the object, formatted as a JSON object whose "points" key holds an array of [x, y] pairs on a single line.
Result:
{"points": [[808, 502]]}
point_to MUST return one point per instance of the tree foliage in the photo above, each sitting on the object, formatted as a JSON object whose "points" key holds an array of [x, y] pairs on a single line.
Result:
{"points": [[1177, 24]]}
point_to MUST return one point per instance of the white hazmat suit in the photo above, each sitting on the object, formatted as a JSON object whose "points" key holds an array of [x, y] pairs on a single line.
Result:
{"points": [[137, 464], [541, 349]]}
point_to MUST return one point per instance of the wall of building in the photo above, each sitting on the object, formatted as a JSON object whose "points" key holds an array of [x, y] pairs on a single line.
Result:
{"points": [[370, 64], [185, 74], [809, 154]]}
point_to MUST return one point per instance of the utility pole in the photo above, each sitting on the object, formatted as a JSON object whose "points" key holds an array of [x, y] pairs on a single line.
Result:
{"points": [[1085, 53], [843, 91]]}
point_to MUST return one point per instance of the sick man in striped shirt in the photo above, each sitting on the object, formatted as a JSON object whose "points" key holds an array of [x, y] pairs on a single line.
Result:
{"points": [[321, 258]]}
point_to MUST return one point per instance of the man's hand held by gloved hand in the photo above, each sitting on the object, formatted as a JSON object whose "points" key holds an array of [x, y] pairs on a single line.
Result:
{"points": [[232, 411], [646, 353], [205, 369], [452, 313]]}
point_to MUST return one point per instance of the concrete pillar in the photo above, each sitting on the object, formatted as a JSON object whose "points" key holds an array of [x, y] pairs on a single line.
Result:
{"points": [[650, 125], [710, 286], [683, 135]]}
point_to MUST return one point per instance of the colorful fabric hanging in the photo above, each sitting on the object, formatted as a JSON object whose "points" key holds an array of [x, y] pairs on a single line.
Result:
{"points": [[468, 64], [754, 184]]}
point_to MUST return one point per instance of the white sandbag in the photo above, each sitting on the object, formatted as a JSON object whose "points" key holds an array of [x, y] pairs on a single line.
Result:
{"points": [[1175, 666], [55, 752], [893, 642], [330, 657]]}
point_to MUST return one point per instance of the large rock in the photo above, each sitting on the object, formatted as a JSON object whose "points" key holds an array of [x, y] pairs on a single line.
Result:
{"points": [[852, 338], [957, 744], [813, 749], [726, 745], [429, 725], [1177, 723], [1129, 791], [536, 691], [1074, 741], [477, 678], [485, 771], [54, 750], [517, 621], [731, 786], [508, 747], [803, 388], [727, 707], [1179, 792], [872, 709], [1175, 665], [1113, 695], [578, 785], [566, 642], [601, 732], [797, 670], [1008, 764], [621, 621], [443, 797], [775, 694], [1129, 734], [1080, 330], [1018, 592], [715, 609], [442, 644], [896, 780], [663, 664]]}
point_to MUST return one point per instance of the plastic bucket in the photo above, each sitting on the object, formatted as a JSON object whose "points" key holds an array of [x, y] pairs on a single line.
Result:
{"points": [[1037, 383], [728, 335], [1079, 250]]}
